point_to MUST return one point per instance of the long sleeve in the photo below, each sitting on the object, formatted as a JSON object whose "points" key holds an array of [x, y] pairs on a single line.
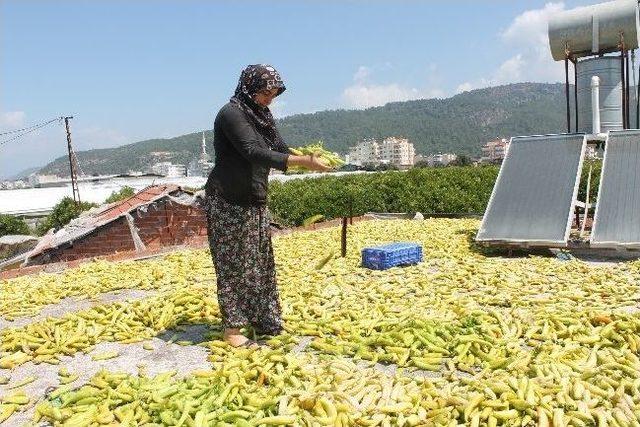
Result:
{"points": [[283, 146], [244, 139]]}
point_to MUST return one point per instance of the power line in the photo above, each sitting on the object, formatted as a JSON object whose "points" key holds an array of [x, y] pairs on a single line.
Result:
{"points": [[23, 129], [28, 131]]}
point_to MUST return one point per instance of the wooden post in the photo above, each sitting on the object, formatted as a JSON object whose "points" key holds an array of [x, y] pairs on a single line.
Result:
{"points": [[344, 236], [72, 169]]}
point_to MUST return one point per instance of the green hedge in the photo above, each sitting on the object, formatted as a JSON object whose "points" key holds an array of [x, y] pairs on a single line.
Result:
{"points": [[12, 225], [62, 214], [429, 190], [595, 180], [124, 193]]}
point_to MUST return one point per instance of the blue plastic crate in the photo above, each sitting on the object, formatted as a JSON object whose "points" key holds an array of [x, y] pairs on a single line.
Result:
{"points": [[391, 255]]}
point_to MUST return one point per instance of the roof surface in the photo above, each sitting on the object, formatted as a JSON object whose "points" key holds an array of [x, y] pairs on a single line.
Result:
{"points": [[100, 216], [144, 197]]}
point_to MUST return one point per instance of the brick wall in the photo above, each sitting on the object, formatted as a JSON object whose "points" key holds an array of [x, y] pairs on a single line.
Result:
{"points": [[160, 225], [170, 223], [108, 239], [165, 223]]}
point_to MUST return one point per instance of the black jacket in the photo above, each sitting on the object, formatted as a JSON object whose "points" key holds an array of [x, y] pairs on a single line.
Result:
{"points": [[243, 159]]}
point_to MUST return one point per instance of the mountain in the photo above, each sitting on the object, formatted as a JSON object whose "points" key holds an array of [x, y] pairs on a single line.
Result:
{"points": [[23, 174], [138, 156], [459, 124]]}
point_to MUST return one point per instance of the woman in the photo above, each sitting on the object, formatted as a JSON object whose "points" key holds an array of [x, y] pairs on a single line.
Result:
{"points": [[247, 145]]}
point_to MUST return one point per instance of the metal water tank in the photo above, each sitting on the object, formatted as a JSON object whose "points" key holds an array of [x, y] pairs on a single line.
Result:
{"points": [[608, 69], [590, 30]]}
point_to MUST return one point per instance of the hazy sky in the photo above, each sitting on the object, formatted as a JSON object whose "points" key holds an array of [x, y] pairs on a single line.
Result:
{"points": [[129, 70]]}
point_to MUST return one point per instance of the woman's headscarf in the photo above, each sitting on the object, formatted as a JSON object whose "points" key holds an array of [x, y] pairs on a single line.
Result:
{"points": [[253, 79]]}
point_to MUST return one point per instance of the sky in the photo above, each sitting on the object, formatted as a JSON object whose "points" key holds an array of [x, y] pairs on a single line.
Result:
{"points": [[129, 71]]}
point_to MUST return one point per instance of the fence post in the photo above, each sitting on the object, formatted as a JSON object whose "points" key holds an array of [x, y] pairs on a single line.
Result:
{"points": [[344, 236]]}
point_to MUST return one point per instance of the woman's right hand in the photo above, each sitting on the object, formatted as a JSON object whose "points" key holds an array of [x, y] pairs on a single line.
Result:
{"points": [[310, 162]]}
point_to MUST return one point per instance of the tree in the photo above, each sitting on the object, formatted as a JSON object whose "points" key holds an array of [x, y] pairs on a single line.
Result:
{"points": [[62, 214], [10, 224], [386, 167], [461, 160], [124, 193], [421, 164], [348, 168]]}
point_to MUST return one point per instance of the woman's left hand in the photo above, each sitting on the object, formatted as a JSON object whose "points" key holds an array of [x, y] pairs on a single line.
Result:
{"points": [[310, 162]]}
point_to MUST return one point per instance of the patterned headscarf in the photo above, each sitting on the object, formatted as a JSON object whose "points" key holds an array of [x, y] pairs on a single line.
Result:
{"points": [[253, 79]]}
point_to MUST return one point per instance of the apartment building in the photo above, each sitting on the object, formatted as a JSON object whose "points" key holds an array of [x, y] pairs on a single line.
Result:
{"points": [[366, 152], [494, 151], [440, 159], [169, 169], [392, 150], [397, 151]]}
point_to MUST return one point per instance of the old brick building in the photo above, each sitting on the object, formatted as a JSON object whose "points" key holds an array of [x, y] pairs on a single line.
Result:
{"points": [[158, 216]]}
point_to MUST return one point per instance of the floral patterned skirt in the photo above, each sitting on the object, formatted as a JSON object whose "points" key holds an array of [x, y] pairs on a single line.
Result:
{"points": [[240, 242]]}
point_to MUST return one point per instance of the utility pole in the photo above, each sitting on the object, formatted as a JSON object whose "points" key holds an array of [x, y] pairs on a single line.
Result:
{"points": [[72, 169]]}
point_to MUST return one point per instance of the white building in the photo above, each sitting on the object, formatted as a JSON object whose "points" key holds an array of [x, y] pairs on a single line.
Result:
{"points": [[365, 152], [494, 151], [20, 184], [440, 159], [397, 151], [169, 170], [11, 185], [201, 166], [36, 180]]}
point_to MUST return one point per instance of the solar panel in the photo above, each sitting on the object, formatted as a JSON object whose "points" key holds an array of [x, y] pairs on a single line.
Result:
{"points": [[534, 195], [617, 217]]}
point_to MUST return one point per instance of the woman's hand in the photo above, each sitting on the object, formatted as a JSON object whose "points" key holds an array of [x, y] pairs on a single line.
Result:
{"points": [[310, 162]]}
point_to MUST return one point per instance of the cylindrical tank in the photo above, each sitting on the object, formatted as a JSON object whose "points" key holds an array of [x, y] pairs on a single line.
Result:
{"points": [[607, 68], [595, 29]]}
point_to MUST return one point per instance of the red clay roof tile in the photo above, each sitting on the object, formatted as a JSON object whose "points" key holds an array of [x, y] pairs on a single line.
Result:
{"points": [[141, 198]]}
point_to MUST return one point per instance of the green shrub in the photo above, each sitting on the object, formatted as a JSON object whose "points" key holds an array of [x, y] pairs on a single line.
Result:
{"points": [[452, 189], [62, 214], [428, 190], [124, 193], [10, 224], [595, 180], [462, 160], [421, 164]]}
